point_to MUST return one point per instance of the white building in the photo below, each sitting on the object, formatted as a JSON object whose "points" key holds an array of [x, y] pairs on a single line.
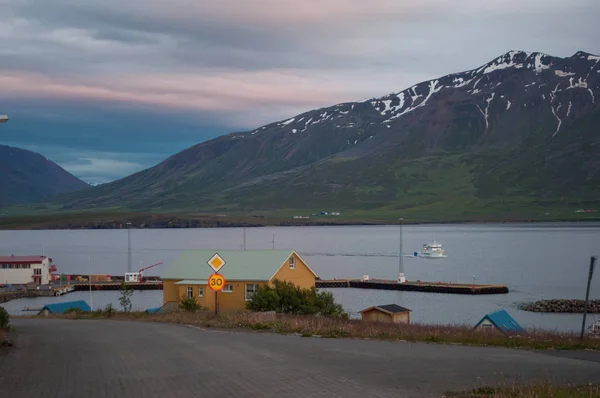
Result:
{"points": [[21, 270]]}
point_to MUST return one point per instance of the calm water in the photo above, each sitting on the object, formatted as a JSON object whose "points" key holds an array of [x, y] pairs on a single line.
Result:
{"points": [[533, 260]]}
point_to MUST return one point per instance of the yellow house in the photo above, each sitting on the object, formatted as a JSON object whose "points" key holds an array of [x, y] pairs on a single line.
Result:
{"points": [[244, 271]]}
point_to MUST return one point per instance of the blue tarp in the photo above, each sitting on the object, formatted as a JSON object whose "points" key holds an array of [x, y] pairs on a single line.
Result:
{"points": [[153, 310], [503, 321], [60, 308]]}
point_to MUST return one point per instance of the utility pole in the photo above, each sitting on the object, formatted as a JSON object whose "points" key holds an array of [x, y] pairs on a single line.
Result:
{"points": [[587, 294], [401, 277], [129, 247], [244, 246], [90, 282]]}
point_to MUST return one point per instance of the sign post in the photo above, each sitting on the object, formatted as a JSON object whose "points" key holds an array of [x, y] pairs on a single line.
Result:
{"points": [[216, 280]]}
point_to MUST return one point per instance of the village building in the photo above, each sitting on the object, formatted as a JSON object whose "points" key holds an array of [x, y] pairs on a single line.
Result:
{"points": [[61, 308], [23, 270], [499, 321], [390, 313], [244, 272]]}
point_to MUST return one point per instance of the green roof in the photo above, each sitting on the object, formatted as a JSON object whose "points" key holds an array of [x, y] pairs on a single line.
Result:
{"points": [[252, 265], [193, 282]]}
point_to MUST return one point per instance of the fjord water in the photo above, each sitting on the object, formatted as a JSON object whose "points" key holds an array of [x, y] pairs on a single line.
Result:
{"points": [[534, 260]]}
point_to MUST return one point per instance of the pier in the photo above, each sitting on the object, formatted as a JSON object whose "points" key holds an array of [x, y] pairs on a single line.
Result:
{"points": [[84, 286], [413, 286]]}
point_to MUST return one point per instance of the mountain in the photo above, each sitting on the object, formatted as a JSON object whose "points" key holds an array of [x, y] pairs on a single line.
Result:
{"points": [[27, 177], [520, 131]]}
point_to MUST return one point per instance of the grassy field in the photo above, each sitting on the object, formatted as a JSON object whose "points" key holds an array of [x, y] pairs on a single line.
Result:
{"points": [[488, 212], [309, 326], [544, 390]]}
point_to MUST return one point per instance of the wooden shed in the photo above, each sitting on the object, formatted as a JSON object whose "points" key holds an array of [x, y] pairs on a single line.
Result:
{"points": [[390, 313]]}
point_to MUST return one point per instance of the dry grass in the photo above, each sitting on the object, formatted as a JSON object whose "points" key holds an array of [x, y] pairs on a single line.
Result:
{"points": [[4, 341], [545, 390], [309, 326]]}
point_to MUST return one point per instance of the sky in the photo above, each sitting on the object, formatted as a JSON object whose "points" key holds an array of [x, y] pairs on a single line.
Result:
{"points": [[108, 88]]}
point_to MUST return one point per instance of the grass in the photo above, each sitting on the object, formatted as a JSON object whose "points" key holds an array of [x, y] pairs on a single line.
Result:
{"points": [[436, 212], [4, 341], [339, 328], [543, 390]]}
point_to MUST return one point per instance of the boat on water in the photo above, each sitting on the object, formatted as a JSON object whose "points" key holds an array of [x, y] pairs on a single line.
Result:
{"points": [[431, 250], [594, 329]]}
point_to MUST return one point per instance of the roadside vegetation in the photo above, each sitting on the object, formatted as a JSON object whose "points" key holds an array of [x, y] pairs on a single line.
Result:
{"points": [[4, 327], [545, 390], [336, 327], [285, 297]]}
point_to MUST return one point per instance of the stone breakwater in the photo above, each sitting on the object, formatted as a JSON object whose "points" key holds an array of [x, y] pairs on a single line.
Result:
{"points": [[569, 306], [5, 297]]}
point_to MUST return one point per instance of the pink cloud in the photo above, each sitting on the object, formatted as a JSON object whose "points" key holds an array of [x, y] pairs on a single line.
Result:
{"points": [[241, 93]]}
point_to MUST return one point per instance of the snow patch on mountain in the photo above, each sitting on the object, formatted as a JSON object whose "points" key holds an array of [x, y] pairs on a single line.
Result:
{"points": [[561, 73], [433, 88], [539, 65]]}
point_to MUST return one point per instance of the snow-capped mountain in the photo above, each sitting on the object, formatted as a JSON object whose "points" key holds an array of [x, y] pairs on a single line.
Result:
{"points": [[523, 125]]}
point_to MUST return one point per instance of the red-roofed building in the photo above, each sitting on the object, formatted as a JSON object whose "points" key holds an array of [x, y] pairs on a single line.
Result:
{"points": [[21, 270]]}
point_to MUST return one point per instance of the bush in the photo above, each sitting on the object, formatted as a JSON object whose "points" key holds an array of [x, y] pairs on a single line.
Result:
{"points": [[291, 299], [4, 319], [109, 310], [189, 304], [73, 310], [125, 299]]}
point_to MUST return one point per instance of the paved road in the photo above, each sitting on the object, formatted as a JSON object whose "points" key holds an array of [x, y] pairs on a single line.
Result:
{"points": [[62, 358]]}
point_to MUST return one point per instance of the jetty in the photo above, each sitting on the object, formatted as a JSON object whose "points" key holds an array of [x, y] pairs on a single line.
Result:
{"points": [[413, 286], [84, 286]]}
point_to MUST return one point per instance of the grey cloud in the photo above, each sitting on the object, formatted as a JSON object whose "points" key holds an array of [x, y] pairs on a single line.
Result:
{"points": [[369, 49]]}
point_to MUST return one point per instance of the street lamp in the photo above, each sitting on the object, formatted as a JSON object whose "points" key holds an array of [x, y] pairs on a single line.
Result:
{"points": [[128, 247], [401, 277]]}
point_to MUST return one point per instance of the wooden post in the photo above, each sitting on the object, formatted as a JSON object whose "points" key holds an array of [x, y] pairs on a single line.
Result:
{"points": [[587, 295]]}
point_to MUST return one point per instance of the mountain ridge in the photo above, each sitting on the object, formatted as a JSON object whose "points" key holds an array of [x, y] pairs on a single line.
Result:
{"points": [[29, 177], [385, 152]]}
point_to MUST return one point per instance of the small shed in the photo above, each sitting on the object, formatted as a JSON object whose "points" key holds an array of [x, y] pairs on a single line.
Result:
{"points": [[499, 321], [60, 308], [391, 313]]}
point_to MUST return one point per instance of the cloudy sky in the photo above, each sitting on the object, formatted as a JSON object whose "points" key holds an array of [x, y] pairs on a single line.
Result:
{"points": [[106, 88]]}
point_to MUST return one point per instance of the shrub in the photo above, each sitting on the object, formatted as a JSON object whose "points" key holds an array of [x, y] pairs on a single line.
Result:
{"points": [[291, 299], [4, 318], [189, 304], [109, 310], [73, 310], [125, 299]]}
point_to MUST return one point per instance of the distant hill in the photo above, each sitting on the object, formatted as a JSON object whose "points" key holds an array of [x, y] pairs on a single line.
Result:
{"points": [[28, 177], [518, 132]]}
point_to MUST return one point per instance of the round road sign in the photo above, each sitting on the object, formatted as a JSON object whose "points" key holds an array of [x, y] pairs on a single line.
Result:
{"points": [[216, 282]]}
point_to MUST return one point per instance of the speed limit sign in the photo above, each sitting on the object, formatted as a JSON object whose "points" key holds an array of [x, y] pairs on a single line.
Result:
{"points": [[216, 282]]}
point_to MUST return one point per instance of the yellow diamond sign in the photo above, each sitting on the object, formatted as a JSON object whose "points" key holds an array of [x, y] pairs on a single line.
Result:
{"points": [[216, 262]]}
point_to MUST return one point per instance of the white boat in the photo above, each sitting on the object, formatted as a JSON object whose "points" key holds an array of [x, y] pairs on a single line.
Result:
{"points": [[431, 250], [594, 329]]}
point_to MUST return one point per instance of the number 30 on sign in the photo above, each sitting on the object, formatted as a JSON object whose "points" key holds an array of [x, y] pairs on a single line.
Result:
{"points": [[216, 282]]}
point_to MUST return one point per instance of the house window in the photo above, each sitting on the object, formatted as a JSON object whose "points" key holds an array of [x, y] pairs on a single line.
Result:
{"points": [[227, 289], [292, 263], [190, 292], [250, 290], [37, 271], [200, 292]]}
